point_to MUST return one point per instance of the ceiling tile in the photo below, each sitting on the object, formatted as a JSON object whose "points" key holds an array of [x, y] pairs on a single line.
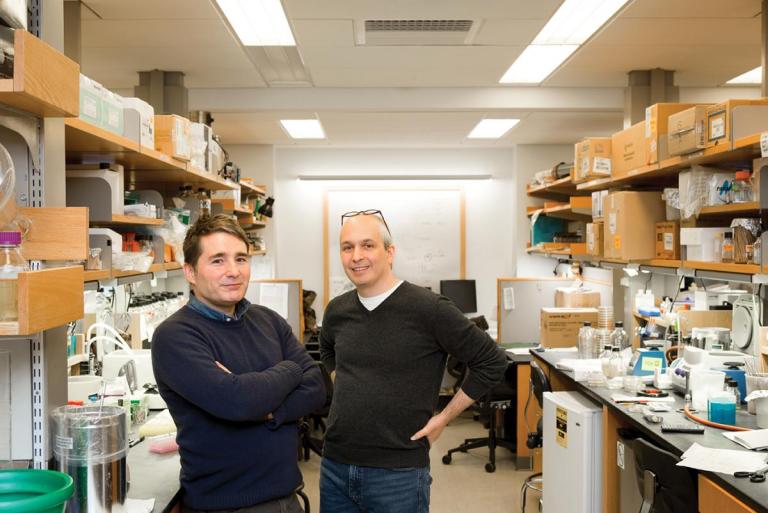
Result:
{"points": [[153, 9]]}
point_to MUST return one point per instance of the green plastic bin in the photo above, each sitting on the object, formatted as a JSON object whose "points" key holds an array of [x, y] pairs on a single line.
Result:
{"points": [[34, 491]]}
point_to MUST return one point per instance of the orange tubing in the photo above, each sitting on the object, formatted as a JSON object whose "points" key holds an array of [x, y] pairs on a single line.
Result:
{"points": [[726, 427]]}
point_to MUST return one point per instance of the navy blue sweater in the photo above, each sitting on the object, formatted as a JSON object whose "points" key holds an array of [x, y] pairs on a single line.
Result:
{"points": [[231, 457]]}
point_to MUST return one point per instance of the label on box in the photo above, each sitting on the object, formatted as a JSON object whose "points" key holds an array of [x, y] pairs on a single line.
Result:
{"points": [[717, 128], [602, 165], [649, 364], [669, 242], [764, 144], [612, 223], [561, 426], [648, 115], [90, 107], [584, 166], [590, 240], [617, 242]]}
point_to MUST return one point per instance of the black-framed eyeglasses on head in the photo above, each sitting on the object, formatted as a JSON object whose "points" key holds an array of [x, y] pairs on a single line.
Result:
{"points": [[372, 212]]}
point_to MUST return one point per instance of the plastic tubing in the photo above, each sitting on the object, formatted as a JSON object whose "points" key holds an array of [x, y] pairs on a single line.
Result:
{"points": [[726, 427]]}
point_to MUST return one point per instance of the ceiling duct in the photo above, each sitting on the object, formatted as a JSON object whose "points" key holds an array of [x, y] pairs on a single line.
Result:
{"points": [[415, 32]]}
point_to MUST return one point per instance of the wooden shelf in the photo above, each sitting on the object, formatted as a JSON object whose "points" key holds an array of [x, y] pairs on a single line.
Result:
{"points": [[108, 274], [229, 206], [558, 189], [660, 262], [143, 165], [249, 221], [46, 299], [736, 209], [721, 267], [124, 220], [247, 189], [568, 249], [657, 176], [579, 208], [45, 82]]}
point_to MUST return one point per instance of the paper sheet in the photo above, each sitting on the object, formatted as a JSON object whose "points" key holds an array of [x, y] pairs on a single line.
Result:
{"points": [[138, 506], [756, 439], [625, 398], [508, 294], [724, 461], [275, 297]]}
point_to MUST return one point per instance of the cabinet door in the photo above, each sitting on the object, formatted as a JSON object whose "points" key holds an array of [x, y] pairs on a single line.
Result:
{"points": [[714, 499]]}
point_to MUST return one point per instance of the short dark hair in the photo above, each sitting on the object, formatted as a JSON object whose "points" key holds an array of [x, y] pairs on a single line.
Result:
{"points": [[219, 223]]}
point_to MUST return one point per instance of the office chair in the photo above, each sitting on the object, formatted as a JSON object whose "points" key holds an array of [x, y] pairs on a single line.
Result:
{"points": [[501, 397], [539, 384], [315, 420], [666, 488], [303, 496]]}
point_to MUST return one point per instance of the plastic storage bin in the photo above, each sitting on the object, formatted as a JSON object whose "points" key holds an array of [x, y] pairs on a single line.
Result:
{"points": [[34, 491]]}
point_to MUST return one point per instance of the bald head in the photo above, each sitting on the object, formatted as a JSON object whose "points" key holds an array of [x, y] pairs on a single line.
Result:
{"points": [[368, 221]]}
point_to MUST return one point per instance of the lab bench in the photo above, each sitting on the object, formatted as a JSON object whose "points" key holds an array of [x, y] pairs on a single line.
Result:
{"points": [[154, 476], [717, 492]]}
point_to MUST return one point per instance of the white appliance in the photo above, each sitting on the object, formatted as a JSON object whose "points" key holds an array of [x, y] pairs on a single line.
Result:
{"points": [[144, 374], [573, 453], [697, 358], [745, 331]]}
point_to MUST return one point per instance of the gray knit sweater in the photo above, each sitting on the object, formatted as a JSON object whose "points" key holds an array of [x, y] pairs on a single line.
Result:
{"points": [[389, 364]]}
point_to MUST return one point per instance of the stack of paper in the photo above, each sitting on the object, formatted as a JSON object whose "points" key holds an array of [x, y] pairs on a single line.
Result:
{"points": [[580, 367], [725, 461], [756, 440]]}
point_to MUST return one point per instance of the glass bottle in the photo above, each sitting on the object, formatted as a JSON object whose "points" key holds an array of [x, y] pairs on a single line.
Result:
{"points": [[605, 361], [726, 254], [619, 337], [586, 341], [732, 386], [757, 252], [741, 188], [11, 264], [616, 362], [205, 202]]}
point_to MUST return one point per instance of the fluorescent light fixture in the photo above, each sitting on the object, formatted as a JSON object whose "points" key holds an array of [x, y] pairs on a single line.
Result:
{"points": [[303, 128], [258, 22], [571, 26], [319, 177], [492, 128], [536, 63], [754, 76], [576, 20]]}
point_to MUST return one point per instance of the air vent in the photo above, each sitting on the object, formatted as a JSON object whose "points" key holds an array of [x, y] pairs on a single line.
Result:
{"points": [[418, 25], [415, 32]]}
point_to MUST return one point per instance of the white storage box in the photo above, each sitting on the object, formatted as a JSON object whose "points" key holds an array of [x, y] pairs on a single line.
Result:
{"points": [[139, 122], [112, 112], [90, 100], [701, 244], [200, 137]]}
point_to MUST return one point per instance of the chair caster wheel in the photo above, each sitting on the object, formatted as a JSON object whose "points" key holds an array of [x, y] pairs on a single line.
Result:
{"points": [[447, 459], [490, 467]]}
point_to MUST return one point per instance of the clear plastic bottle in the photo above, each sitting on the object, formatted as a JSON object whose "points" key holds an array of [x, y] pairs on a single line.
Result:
{"points": [[619, 337], [616, 363], [11, 264], [586, 341], [741, 188], [726, 253]]}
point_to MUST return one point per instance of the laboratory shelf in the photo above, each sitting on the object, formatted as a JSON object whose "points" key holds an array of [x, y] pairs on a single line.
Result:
{"points": [[558, 189], [125, 220], [578, 208], [247, 189]]}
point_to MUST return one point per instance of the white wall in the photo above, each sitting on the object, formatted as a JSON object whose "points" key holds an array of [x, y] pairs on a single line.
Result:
{"points": [[491, 205], [530, 159]]}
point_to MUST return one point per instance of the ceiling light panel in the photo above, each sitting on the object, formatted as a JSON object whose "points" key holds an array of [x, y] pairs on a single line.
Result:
{"points": [[536, 63], [492, 128], [576, 20], [258, 22], [754, 76], [303, 128]]}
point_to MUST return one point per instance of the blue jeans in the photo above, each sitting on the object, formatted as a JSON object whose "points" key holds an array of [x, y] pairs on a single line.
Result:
{"points": [[355, 489]]}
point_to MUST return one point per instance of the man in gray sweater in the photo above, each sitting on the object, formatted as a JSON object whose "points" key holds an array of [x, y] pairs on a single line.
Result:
{"points": [[388, 341]]}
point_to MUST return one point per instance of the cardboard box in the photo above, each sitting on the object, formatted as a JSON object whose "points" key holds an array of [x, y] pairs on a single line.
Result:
{"points": [[734, 119], [657, 127], [595, 239], [630, 224], [560, 326], [172, 136], [592, 159], [668, 240], [687, 131], [701, 244], [576, 297], [629, 150]]}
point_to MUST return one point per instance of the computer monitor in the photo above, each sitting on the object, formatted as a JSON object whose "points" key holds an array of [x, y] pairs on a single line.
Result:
{"points": [[462, 292]]}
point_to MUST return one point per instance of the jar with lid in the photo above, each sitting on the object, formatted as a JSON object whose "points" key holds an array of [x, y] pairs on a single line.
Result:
{"points": [[11, 264], [741, 188]]}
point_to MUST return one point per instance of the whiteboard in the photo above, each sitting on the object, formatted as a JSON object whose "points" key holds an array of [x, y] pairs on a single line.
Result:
{"points": [[427, 227]]}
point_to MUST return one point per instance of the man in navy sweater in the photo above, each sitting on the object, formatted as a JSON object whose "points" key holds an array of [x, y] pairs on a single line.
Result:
{"points": [[235, 379]]}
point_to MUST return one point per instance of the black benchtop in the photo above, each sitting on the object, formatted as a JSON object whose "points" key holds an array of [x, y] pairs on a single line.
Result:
{"points": [[154, 476], [753, 494]]}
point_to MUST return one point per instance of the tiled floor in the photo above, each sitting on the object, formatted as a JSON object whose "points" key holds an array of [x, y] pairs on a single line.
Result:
{"points": [[463, 486]]}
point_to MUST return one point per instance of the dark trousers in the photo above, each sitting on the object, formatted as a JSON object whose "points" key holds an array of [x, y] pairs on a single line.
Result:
{"points": [[289, 504]]}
